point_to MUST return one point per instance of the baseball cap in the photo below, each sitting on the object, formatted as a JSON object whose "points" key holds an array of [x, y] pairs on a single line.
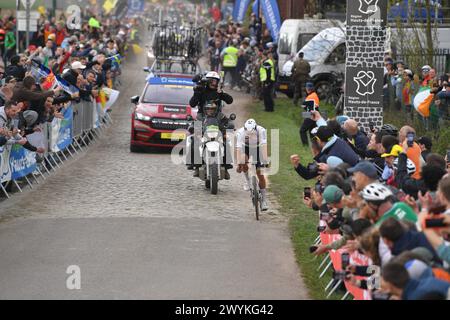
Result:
{"points": [[333, 161], [365, 167], [332, 194], [309, 85], [425, 141], [426, 67], [324, 133], [416, 268], [341, 119], [395, 151], [77, 65]]}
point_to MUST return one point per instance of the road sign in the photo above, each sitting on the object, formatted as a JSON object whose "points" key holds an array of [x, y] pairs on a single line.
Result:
{"points": [[22, 14], [22, 25]]}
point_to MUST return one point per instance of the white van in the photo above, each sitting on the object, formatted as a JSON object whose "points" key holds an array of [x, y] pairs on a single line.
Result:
{"points": [[295, 33], [325, 52]]}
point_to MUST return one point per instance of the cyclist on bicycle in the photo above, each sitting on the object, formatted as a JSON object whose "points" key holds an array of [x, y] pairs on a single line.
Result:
{"points": [[252, 142]]}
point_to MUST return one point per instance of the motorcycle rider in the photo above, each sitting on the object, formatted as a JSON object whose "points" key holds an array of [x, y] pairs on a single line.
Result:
{"points": [[213, 114], [252, 140]]}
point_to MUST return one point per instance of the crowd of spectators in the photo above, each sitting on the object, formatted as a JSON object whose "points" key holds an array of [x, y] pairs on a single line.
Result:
{"points": [[252, 45], [387, 196], [87, 59], [401, 86]]}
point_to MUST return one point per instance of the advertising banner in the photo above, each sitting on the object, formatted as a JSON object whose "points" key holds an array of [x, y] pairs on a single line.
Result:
{"points": [[5, 169], [272, 16], [240, 9], [22, 162], [366, 45], [61, 131]]}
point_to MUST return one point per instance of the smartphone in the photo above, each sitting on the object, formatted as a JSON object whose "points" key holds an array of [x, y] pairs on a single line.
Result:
{"points": [[435, 223], [307, 193], [345, 260], [312, 249], [306, 115], [410, 139]]}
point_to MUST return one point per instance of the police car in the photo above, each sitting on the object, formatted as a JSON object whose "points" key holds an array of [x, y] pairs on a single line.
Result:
{"points": [[162, 114]]}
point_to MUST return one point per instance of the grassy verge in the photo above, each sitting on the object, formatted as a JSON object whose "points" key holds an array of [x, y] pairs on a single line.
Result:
{"points": [[288, 187]]}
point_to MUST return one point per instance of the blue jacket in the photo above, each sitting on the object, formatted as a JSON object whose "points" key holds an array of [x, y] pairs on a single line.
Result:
{"points": [[338, 148], [412, 239], [417, 289]]}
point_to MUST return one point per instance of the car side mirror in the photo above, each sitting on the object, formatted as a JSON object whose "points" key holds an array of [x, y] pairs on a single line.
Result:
{"points": [[135, 99], [146, 69], [232, 117]]}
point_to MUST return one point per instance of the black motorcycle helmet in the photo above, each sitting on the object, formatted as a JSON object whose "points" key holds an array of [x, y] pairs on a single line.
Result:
{"points": [[211, 108]]}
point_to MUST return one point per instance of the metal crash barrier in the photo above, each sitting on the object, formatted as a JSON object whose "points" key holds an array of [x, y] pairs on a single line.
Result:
{"points": [[83, 124]]}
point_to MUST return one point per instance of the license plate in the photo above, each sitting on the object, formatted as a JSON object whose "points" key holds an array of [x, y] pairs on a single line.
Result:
{"points": [[284, 87], [173, 136]]}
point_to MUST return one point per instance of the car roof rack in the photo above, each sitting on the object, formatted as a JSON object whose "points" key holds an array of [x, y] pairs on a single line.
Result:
{"points": [[171, 40], [175, 65]]}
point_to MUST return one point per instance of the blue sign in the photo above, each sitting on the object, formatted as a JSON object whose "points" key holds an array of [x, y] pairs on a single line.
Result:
{"points": [[240, 9], [405, 10], [273, 19], [63, 137], [21, 161], [135, 6], [170, 81]]}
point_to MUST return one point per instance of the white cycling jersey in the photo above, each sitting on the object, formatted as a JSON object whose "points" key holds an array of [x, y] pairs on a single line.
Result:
{"points": [[246, 139]]}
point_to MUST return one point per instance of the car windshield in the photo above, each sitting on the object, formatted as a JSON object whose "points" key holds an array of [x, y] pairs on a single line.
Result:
{"points": [[319, 47], [168, 94]]}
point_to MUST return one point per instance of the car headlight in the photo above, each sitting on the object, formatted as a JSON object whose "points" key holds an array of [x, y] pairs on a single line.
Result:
{"points": [[140, 116]]}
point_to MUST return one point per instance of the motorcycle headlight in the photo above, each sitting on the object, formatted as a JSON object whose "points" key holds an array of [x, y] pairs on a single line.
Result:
{"points": [[140, 116], [212, 134]]}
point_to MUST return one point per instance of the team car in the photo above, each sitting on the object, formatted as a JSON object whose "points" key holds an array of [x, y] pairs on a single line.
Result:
{"points": [[162, 109]]}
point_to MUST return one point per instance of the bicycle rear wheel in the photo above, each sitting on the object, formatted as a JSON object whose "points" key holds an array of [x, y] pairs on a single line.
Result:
{"points": [[255, 196]]}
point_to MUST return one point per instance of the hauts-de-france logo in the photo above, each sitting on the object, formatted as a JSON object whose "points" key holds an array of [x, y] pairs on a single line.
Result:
{"points": [[365, 82], [368, 6]]}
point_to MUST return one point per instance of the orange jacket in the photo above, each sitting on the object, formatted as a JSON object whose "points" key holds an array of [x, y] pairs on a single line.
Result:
{"points": [[313, 97]]}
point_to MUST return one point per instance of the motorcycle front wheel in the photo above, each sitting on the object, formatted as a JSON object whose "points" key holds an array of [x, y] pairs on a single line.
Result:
{"points": [[214, 179]]}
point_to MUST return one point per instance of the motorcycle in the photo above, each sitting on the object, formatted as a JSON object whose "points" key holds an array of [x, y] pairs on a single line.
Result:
{"points": [[212, 149]]}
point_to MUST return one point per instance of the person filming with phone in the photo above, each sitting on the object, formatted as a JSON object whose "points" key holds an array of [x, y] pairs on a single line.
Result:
{"points": [[310, 104]]}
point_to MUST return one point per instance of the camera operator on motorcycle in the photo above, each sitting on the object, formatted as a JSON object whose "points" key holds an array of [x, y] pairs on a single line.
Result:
{"points": [[252, 140], [208, 94], [212, 115], [207, 89]]}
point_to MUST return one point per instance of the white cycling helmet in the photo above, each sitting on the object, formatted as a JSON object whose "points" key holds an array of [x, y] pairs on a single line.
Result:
{"points": [[213, 75], [410, 166], [250, 125], [376, 192]]}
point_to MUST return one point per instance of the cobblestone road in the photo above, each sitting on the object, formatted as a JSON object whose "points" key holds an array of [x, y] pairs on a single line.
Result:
{"points": [[109, 182]]}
